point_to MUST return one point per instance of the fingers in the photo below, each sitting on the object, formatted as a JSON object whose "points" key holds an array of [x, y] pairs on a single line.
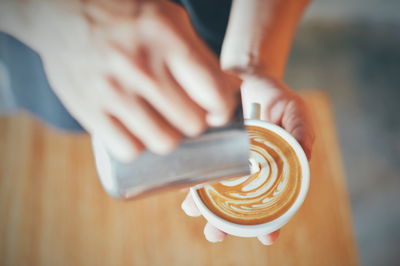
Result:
{"points": [[296, 121], [170, 100], [305, 138], [291, 113], [144, 123], [189, 206], [269, 239], [205, 84], [91, 114], [276, 111], [264, 92], [198, 71], [157, 86], [141, 120], [123, 147], [213, 234]]}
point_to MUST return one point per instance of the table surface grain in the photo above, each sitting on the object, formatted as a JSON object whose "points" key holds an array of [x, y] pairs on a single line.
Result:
{"points": [[53, 210]]}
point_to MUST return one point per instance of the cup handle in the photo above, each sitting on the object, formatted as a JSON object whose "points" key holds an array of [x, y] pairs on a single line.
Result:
{"points": [[255, 111]]}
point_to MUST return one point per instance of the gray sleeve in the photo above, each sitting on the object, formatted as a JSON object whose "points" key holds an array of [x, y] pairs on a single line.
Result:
{"points": [[23, 85]]}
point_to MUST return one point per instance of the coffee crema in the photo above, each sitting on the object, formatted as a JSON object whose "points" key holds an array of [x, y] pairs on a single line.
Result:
{"points": [[265, 194]]}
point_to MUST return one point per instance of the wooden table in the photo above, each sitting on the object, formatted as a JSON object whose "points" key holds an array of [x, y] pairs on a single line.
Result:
{"points": [[53, 210]]}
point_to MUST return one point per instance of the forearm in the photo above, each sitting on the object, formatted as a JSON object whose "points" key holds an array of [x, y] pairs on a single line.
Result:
{"points": [[15, 18], [36, 22], [259, 36]]}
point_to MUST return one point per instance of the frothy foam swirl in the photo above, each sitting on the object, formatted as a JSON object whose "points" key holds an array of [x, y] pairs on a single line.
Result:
{"points": [[265, 194]]}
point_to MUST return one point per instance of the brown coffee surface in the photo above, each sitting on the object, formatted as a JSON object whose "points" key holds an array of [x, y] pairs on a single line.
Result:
{"points": [[264, 195]]}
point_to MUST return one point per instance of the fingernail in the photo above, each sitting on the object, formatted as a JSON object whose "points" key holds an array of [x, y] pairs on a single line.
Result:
{"points": [[213, 239], [185, 208], [213, 234], [122, 154], [216, 120], [189, 209], [265, 240]]}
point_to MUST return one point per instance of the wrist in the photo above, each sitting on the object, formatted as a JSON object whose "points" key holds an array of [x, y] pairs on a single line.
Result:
{"points": [[259, 36], [265, 83], [13, 17], [255, 72], [34, 22]]}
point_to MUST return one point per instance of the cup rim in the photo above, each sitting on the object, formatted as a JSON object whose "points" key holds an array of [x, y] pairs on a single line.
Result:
{"points": [[268, 227]]}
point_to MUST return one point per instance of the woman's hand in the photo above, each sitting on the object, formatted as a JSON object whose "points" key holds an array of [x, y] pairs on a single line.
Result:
{"points": [[134, 73], [279, 105]]}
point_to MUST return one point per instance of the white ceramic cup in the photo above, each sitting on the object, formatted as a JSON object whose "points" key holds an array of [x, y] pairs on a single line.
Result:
{"points": [[269, 227]]}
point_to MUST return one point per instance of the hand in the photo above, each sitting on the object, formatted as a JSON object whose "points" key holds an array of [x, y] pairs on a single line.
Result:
{"points": [[279, 105], [133, 73]]}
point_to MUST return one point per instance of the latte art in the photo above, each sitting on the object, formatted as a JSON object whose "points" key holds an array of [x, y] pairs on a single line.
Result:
{"points": [[265, 194]]}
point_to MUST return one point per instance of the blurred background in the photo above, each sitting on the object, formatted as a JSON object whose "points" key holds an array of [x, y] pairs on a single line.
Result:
{"points": [[350, 49]]}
